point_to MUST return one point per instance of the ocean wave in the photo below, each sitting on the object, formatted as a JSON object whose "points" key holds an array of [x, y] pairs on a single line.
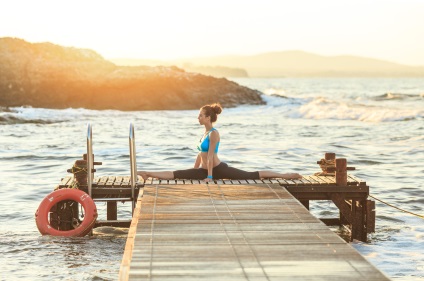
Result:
{"points": [[276, 100], [29, 115], [323, 108], [8, 119], [399, 96], [21, 115]]}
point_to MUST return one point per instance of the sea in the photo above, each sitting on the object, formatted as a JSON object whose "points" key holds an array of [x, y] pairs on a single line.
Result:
{"points": [[377, 124]]}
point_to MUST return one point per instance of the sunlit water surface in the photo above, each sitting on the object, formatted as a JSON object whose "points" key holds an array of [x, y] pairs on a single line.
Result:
{"points": [[377, 124]]}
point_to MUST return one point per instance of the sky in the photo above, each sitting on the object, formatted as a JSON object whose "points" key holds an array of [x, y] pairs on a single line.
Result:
{"points": [[391, 30]]}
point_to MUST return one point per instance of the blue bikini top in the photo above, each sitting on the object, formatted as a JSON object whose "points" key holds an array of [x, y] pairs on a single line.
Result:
{"points": [[203, 145]]}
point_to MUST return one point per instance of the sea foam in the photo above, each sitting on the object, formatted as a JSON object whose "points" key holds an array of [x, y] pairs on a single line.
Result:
{"points": [[323, 108]]}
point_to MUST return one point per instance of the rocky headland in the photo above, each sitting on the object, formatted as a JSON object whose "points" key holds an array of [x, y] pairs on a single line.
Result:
{"points": [[51, 76]]}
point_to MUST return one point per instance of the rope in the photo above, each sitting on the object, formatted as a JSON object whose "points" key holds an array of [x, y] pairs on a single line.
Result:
{"points": [[76, 170], [390, 205], [324, 164]]}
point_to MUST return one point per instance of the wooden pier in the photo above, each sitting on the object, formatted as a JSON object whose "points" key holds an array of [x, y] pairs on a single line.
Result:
{"points": [[223, 230], [232, 230]]}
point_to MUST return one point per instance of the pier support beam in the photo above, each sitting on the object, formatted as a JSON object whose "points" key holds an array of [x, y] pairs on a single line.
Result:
{"points": [[305, 203], [112, 210], [370, 216]]}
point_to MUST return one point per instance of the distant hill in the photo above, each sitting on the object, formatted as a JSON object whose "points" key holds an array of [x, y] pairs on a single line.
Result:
{"points": [[303, 64], [52, 76], [212, 69]]}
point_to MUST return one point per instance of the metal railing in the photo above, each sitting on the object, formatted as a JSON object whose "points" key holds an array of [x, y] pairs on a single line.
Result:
{"points": [[133, 164], [90, 164]]}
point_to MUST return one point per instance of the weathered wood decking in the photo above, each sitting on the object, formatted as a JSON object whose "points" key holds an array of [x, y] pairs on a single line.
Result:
{"points": [[234, 232]]}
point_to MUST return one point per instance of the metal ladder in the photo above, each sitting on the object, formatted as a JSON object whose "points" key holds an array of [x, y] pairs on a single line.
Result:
{"points": [[112, 202]]}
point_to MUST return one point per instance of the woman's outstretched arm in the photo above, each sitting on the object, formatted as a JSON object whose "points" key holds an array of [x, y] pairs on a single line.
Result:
{"points": [[213, 141]]}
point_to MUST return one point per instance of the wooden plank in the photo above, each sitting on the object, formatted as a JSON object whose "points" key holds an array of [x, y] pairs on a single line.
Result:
{"points": [[283, 182], [329, 188], [129, 245], [96, 180], [329, 180], [296, 182], [110, 180], [309, 181], [303, 181], [234, 232], [319, 180], [312, 180], [126, 181], [291, 182], [118, 181], [356, 180], [66, 181], [102, 181]]}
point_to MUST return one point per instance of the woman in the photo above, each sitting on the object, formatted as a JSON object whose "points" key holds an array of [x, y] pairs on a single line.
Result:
{"points": [[207, 165]]}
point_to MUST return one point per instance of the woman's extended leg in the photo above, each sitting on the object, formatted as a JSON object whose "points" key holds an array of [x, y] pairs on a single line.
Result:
{"points": [[167, 175], [270, 174]]}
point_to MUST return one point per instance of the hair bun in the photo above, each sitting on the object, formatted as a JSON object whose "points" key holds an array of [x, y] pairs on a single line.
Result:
{"points": [[217, 108]]}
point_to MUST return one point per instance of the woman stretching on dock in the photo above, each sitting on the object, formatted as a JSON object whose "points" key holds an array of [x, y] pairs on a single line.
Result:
{"points": [[207, 165]]}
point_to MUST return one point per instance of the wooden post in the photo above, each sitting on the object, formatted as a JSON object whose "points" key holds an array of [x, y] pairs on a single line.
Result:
{"points": [[112, 210], [355, 218], [344, 208], [330, 156], [81, 176], [359, 225], [305, 203], [64, 215], [341, 171], [343, 219], [327, 163], [370, 216]]}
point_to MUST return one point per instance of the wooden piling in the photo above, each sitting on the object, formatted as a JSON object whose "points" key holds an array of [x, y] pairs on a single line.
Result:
{"points": [[341, 171]]}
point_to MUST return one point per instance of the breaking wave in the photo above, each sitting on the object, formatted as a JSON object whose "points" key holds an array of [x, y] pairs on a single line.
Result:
{"points": [[30, 115], [12, 120], [399, 96], [322, 108], [402, 108]]}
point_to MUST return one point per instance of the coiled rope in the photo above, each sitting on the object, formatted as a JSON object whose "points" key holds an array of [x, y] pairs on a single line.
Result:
{"points": [[390, 205]]}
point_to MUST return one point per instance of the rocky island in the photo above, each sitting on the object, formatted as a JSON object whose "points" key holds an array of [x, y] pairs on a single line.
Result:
{"points": [[51, 76]]}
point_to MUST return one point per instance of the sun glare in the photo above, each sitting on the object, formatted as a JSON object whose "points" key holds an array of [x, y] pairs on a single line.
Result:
{"points": [[174, 29]]}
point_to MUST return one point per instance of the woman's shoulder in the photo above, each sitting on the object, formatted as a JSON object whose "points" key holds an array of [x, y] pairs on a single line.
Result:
{"points": [[214, 133]]}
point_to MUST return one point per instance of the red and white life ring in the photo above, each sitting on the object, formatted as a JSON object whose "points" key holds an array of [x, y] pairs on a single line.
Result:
{"points": [[41, 216]]}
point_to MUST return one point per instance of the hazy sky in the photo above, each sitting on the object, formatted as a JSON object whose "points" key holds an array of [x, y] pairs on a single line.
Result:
{"points": [[157, 29]]}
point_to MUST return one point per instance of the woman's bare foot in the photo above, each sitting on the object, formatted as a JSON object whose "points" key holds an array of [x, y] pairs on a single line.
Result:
{"points": [[292, 176], [143, 174]]}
